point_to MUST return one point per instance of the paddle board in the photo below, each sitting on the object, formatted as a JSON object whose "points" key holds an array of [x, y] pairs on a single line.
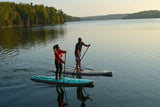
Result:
{"points": [[87, 72], [66, 81]]}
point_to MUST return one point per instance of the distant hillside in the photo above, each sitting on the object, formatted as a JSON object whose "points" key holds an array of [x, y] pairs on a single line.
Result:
{"points": [[105, 17], [144, 14], [138, 15], [71, 18]]}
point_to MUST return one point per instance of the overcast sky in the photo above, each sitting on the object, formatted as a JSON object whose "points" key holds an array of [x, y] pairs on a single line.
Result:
{"points": [[83, 8]]}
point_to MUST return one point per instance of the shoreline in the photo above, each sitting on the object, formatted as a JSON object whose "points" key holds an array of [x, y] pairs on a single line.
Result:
{"points": [[18, 26]]}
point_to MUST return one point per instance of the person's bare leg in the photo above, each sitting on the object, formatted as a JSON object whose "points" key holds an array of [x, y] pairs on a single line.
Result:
{"points": [[80, 66], [77, 66]]}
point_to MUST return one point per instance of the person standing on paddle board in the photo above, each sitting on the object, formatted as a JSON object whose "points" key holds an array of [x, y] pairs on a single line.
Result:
{"points": [[78, 49], [58, 60]]}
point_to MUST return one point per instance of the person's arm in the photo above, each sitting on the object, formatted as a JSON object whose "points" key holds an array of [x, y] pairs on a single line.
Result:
{"points": [[62, 51], [86, 45], [59, 58]]}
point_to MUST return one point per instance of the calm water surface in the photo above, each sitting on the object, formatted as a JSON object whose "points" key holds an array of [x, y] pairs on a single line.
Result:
{"points": [[129, 48]]}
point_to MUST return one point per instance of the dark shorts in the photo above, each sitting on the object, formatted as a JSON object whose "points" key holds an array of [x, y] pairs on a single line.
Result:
{"points": [[77, 59]]}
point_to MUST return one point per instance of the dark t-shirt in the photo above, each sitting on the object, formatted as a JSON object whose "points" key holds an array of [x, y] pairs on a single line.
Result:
{"points": [[78, 47]]}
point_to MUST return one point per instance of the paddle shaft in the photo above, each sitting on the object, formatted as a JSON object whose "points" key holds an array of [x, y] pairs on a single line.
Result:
{"points": [[84, 53], [63, 79], [64, 66]]}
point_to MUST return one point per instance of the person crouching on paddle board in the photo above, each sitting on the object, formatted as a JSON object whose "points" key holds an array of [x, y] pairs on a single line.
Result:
{"points": [[58, 60], [78, 49]]}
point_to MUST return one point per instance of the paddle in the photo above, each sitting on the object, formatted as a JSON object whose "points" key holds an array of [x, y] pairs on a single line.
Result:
{"points": [[64, 67], [63, 79]]}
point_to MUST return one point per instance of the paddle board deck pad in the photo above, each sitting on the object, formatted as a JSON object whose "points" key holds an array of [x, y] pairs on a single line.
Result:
{"points": [[88, 72], [66, 81]]}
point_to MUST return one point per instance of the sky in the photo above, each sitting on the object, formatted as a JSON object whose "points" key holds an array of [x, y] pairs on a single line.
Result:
{"points": [[83, 8]]}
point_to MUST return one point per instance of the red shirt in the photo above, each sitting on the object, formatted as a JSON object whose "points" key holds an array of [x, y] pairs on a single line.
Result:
{"points": [[58, 55]]}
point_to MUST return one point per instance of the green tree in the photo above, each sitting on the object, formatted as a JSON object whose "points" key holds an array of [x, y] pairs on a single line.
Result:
{"points": [[27, 14]]}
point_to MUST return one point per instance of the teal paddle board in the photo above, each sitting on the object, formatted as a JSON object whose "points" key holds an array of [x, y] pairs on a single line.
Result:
{"points": [[63, 81]]}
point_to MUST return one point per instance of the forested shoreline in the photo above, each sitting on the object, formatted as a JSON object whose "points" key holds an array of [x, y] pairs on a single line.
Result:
{"points": [[17, 15]]}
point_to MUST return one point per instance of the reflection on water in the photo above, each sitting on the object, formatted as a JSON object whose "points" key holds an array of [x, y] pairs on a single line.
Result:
{"points": [[80, 93], [62, 99], [61, 96], [81, 96], [27, 37], [14, 40]]}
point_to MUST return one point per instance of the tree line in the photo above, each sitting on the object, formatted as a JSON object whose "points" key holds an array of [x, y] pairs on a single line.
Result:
{"points": [[29, 14]]}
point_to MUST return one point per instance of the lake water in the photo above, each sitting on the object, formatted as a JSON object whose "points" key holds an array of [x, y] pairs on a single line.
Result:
{"points": [[129, 48]]}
